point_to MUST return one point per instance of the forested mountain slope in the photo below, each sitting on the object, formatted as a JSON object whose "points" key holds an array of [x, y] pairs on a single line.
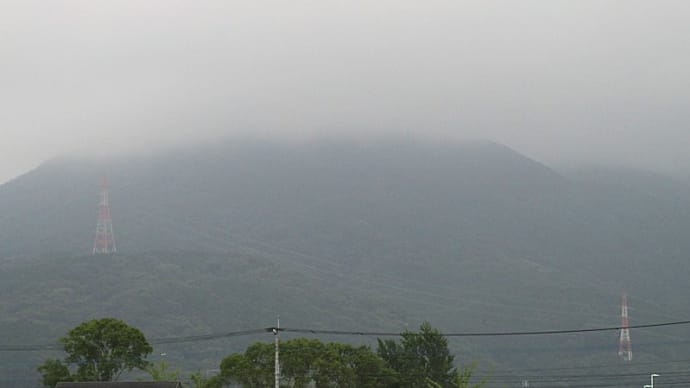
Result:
{"points": [[472, 237]]}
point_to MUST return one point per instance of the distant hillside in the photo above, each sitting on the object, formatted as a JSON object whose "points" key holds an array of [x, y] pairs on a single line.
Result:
{"points": [[472, 237], [330, 198], [362, 205]]}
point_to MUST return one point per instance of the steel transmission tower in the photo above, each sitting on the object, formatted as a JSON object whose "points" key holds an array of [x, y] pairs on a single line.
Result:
{"points": [[624, 345], [104, 242]]}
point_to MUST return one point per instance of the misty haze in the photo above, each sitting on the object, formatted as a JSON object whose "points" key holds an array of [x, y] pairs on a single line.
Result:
{"points": [[505, 184]]}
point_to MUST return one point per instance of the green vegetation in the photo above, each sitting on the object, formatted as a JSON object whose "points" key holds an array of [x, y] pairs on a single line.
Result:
{"points": [[473, 238], [304, 362], [421, 358], [100, 349], [160, 371]]}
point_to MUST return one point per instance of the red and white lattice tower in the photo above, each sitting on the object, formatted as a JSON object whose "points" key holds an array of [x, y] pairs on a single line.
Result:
{"points": [[624, 345], [104, 243]]}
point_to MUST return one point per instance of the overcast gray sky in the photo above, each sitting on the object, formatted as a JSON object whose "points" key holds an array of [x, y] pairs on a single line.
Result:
{"points": [[557, 80]]}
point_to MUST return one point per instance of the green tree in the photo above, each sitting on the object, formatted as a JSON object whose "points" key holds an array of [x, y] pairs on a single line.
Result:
{"points": [[305, 363], [197, 380], [300, 358], [464, 377], [252, 369], [420, 358], [54, 371], [160, 372], [360, 367], [462, 381], [100, 349]]}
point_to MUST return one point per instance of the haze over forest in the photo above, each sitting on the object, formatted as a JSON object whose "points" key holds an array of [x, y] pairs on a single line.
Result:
{"points": [[559, 81], [485, 166], [473, 237]]}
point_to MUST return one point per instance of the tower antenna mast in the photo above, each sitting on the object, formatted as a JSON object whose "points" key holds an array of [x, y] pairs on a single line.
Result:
{"points": [[104, 242], [624, 345]]}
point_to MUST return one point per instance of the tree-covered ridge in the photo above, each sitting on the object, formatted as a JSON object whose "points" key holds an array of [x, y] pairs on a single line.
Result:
{"points": [[352, 237], [191, 294]]}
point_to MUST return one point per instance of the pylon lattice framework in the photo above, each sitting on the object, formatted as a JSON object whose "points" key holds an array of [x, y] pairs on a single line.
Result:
{"points": [[104, 242], [624, 345]]}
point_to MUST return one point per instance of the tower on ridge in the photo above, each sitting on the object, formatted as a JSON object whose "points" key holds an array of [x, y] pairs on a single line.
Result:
{"points": [[624, 346], [104, 242]]}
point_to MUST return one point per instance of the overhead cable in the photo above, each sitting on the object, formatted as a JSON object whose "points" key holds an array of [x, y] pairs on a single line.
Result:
{"points": [[241, 333]]}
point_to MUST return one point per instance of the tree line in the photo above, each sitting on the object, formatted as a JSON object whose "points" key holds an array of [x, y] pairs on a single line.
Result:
{"points": [[102, 349]]}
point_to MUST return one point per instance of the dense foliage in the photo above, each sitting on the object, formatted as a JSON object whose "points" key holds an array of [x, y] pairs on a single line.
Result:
{"points": [[305, 362], [100, 350], [421, 359]]}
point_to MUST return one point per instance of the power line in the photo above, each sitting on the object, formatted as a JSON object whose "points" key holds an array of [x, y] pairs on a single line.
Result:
{"points": [[205, 337], [208, 337], [600, 366], [155, 341], [486, 334]]}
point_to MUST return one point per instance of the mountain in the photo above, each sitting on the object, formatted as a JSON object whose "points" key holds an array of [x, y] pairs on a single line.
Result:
{"points": [[344, 236], [278, 193]]}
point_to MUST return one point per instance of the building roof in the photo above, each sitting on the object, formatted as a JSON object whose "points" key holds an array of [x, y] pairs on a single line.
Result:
{"points": [[121, 384]]}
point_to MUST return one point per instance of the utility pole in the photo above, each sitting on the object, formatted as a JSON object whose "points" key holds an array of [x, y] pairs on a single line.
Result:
{"points": [[276, 335]]}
